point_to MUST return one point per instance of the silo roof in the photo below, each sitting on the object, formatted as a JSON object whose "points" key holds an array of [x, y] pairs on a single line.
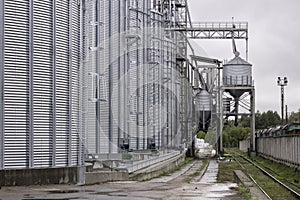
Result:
{"points": [[237, 61]]}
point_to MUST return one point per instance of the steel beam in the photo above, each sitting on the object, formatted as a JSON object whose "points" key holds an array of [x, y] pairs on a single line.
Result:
{"points": [[215, 30]]}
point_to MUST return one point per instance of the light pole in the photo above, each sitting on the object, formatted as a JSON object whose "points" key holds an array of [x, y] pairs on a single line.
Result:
{"points": [[282, 82]]}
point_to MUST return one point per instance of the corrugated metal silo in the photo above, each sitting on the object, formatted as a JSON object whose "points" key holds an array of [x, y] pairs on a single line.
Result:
{"points": [[237, 72], [155, 63], [105, 62], [169, 91], [136, 40], [203, 107], [40, 78]]}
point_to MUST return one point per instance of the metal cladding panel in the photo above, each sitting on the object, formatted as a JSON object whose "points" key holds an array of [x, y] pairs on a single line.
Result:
{"points": [[83, 81], [133, 61], [168, 83], [16, 83], [142, 17], [115, 62], [62, 82], [2, 84], [90, 63], [237, 72], [75, 82], [122, 83], [156, 114], [42, 83], [91, 133], [103, 69], [174, 103], [38, 103], [133, 101], [203, 101]]}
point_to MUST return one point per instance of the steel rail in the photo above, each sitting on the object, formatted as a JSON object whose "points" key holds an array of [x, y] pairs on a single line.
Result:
{"points": [[253, 180], [293, 192]]}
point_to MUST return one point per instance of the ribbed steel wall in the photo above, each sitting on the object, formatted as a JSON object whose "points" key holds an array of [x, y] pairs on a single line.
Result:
{"points": [[105, 64], [170, 96], [136, 72], [155, 63], [40, 83]]}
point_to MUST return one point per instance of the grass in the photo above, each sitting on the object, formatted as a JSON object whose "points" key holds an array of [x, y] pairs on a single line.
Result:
{"points": [[282, 172], [274, 190], [225, 173], [197, 173], [244, 191], [286, 174], [204, 164]]}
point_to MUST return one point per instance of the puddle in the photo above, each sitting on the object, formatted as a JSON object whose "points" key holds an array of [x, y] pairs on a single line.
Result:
{"points": [[63, 191], [108, 192], [53, 199], [58, 191]]}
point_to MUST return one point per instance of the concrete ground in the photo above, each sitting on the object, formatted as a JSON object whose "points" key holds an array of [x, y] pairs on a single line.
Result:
{"points": [[182, 184]]}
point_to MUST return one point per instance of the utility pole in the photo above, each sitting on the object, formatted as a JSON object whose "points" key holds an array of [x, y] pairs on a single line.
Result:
{"points": [[286, 114], [282, 82]]}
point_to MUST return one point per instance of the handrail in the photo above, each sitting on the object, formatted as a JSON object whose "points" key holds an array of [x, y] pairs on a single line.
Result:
{"points": [[145, 163], [220, 25]]}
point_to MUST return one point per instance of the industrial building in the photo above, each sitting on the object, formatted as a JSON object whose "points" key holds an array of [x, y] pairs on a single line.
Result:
{"points": [[90, 79]]}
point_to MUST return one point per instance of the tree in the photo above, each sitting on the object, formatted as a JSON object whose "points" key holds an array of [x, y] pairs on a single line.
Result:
{"points": [[262, 120], [294, 117], [209, 137], [233, 134]]}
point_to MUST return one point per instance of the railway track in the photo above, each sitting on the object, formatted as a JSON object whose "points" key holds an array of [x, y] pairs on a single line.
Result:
{"points": [[246, 164]]}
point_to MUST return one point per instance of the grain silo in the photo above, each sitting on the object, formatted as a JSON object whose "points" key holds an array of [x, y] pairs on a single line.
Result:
{"points": [[237, 81], [237, 72], [136, 41], [169, 92], [104, 62], [203, 106], [40, 108]]}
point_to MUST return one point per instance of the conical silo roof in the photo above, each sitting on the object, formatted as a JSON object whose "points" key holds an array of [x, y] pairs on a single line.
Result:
{"points": [[237, 61]]}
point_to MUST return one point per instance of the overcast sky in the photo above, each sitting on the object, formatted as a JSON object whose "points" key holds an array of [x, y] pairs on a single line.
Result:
{"points": [[274, 44]]}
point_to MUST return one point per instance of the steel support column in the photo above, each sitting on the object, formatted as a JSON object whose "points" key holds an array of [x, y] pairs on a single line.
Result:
{"points": [[97, 70], [182, 103], [70, 85], [220, 116], [138, 88], [53, 162], [110, 75], [119, 73], [81, 100], [31, 88], [252, 121]]}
